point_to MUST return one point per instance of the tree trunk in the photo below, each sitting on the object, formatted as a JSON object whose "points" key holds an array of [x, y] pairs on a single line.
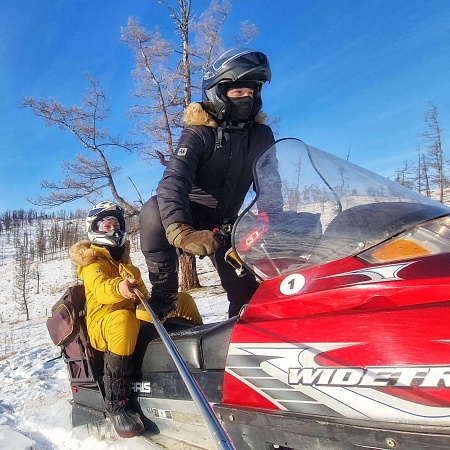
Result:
{"points": [[188, 270]]}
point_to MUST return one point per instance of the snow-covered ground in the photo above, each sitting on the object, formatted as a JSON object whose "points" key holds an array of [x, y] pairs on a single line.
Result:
{"points": [[34, 389]]}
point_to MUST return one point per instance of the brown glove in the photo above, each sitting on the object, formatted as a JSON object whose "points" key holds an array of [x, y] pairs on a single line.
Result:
{"points": [[201, 243]]}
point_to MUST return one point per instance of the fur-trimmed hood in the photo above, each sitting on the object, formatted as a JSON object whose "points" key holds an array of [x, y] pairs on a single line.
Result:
{"points": [[85, 253], [194, 114]]}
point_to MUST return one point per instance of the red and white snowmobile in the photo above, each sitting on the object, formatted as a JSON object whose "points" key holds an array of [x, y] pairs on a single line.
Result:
{"points": [[345, 344]]}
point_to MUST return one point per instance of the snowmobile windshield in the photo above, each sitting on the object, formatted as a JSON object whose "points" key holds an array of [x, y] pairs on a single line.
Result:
{"points": [[311, 207]]}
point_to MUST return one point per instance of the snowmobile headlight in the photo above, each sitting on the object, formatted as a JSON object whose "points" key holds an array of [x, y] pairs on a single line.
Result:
{"points": [[429, 238]]}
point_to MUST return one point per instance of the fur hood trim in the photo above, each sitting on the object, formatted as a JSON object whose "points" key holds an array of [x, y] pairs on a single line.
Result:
{"points": [[84, 253], [194, 114]]}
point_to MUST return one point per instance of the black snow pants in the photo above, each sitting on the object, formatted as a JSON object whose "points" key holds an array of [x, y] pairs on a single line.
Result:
{"points": [[162, 260]]}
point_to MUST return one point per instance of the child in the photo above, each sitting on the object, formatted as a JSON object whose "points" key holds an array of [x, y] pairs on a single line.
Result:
{"points": [[105, 267]]}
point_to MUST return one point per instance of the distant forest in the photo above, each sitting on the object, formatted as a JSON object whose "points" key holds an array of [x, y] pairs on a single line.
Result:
{"points": [[42, 236], [30, 238], [9, 220]]}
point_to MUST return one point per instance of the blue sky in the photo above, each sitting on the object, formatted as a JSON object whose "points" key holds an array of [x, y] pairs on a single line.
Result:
{"points": [[348, 76]]}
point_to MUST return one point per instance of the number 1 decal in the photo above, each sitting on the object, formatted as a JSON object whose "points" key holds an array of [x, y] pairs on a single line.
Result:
{"points": [[292, 284]]}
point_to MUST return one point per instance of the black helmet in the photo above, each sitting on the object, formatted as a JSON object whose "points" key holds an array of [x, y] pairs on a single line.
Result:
{"points": [[114, 238], [236, 65]]}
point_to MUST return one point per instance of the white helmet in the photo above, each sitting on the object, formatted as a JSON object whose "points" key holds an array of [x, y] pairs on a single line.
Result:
{"points": [[115, 238]]}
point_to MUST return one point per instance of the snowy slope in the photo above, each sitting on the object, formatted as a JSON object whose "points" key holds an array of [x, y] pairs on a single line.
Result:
{"points": [[34, 390]]}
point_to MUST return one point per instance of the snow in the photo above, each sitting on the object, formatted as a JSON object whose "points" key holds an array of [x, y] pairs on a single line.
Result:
{"points": [[12, 440], [34, 388]]}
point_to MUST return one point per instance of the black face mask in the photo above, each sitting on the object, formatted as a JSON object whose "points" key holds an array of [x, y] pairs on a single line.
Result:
{"points": [[240, 109], [116, 252]]}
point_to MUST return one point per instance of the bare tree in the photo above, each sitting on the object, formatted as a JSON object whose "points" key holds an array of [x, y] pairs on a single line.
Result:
{"points": [[433, 140], [41, 241], [85, 176], [2, 252], [182, 19], [406, 175], [37, 276], [23, 271], [424, 175], [158, 86], [208, 41], [248, 31], [422, 181]]}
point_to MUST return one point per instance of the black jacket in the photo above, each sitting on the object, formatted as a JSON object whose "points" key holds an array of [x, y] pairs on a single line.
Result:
{"points": [[203, 181]]}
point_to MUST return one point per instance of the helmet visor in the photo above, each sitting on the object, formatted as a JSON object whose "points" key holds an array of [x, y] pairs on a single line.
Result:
{"points": [[95, 211]]}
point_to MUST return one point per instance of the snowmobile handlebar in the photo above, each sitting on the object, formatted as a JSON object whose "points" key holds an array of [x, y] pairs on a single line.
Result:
{"points": [[223, 231]]}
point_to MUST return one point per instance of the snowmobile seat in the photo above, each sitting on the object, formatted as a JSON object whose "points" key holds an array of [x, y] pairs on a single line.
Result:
{"points": [[202, 348]]}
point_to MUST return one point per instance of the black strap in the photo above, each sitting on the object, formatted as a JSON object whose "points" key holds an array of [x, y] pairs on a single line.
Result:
{"points": [[219, 137]]}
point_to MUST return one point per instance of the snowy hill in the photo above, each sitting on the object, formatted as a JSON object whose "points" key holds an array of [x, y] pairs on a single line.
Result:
{"points": [[34, 389]]}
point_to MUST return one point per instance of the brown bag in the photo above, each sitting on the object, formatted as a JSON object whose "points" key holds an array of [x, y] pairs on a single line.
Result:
{"points": [[64, 324], [67, 328]]}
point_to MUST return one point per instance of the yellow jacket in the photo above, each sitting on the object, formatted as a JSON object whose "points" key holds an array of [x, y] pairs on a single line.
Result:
{"points": [[101, 276]]}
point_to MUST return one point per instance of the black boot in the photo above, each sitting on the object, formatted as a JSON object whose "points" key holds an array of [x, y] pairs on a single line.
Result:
{"points": [[118, 370], [164, 280], [163, 302]]}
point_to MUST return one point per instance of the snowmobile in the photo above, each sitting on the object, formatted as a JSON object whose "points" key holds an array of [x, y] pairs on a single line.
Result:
{"points": [[344, 345]]}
